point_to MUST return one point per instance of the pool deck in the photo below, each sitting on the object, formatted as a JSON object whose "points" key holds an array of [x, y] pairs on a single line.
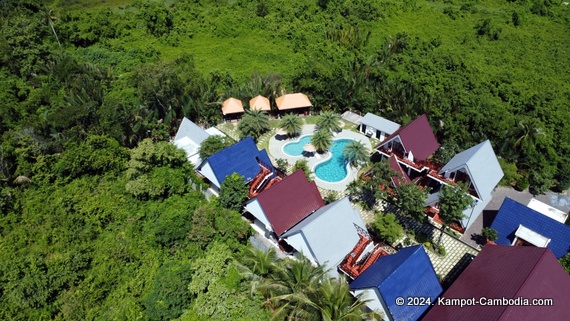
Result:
{"points": [[276, 151]]}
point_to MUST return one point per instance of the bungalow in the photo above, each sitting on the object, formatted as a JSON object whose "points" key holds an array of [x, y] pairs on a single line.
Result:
{"points": [[413, 142], [407, 275], [376, 126], [297, 102], [232, 108], [479, 169], [190, 136], [520, 225], [242, 157], [282, 206], [325, 236], [498, 283]]}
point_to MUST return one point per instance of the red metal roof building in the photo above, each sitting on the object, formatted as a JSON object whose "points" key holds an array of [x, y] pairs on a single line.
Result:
{"points": [[286, 203], [510, 272], [416, 138]]}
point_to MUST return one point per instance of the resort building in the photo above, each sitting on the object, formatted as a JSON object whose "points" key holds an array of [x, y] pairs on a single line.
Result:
{"points": [[504, 277], [325, 236], [377, 127], [519, 225], [298, 103], [243, 158], [408, 151], [477, 168], [232, 108], [406, 275], [260, 103], [190, 136], [282, 206]]}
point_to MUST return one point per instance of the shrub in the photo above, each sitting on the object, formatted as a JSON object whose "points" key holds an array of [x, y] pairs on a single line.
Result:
{"points": [[441, 250]]}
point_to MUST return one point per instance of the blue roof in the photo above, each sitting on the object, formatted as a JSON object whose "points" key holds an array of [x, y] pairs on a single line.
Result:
{"points": [[242, 158], [512, 214], [408, 273]]}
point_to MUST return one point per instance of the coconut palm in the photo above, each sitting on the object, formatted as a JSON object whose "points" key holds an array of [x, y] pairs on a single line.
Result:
{"points": [[336, 303], [50, 19], [329, 120], [322, 140], [291, 124], [256, 267], [293, 290], [254, 123], [355, 152]]}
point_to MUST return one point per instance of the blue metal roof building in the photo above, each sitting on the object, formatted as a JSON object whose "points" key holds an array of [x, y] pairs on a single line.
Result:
{"points": [[406, 274], [512, 215], [242, 157]]}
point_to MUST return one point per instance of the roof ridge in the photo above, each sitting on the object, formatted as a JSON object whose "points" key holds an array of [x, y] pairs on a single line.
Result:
{"points": [[418, 246], [544, 251]]}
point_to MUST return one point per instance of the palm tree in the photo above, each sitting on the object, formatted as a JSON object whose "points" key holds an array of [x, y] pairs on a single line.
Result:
{"points": [[329, 120], [256, 266], [50, 19], [355, 153], [322, 140], [294, 286], [254, 123], [291, 124], [336, 303], [528, 133]]}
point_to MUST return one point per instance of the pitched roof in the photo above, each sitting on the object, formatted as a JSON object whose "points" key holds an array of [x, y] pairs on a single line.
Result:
{"points": [[408, 273], [291, 101], [511, 272], [241, 157], [188, 129], [330, 232], [482, 164], [259, 102], [232, 106], [380, 123], [416, 137], [290, 201], [189, 137], [403, 177], [512, 214]]}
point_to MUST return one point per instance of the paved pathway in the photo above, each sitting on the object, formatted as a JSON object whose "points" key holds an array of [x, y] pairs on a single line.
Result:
{"points": [[458, 254], [276, 144]]}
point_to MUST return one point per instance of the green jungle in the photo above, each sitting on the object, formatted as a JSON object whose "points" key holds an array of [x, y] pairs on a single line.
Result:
{"points": [[102, 219]]}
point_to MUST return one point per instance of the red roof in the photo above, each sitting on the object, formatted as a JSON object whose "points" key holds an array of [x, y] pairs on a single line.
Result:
{"points": [[290, 201], [416, 137], [510, 272], [403, 177]]}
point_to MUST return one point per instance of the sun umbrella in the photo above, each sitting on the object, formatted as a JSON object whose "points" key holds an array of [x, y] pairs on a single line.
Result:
{"points": [[309, 148]]}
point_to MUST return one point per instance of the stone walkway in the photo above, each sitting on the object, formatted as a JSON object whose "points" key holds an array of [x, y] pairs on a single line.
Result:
{"points": [[458, 254]]}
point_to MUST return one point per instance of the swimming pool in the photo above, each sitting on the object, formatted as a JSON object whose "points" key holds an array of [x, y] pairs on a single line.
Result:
{"points": [[296, 148], [334, 169]]}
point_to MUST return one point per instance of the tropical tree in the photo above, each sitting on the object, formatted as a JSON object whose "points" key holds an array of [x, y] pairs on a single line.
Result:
{"points": [[233, 192], [50, 21], [453, 200], [212, 145], [293, 289], [387, 227], [411, 199], [254, 123], [329, 120], [336, 303], [256, 267], [291, 124], [302, 165], [355, 152], [322, 140]]}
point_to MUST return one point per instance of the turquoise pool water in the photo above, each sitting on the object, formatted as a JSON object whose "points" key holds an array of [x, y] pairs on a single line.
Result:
{"points": [[334, 169], [296, 148]]}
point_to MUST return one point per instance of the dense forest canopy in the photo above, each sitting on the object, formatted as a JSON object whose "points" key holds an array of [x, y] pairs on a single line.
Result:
{"points": [[91, 227]]}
